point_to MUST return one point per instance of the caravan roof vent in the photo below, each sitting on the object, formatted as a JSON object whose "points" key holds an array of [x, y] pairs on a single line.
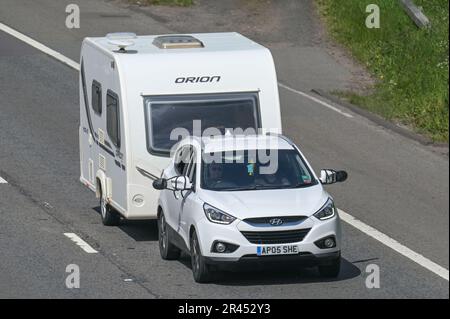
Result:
{"points": [[177, 42]]}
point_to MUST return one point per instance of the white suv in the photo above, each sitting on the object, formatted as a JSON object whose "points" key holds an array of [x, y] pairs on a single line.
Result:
{"points": [[250, 199]]}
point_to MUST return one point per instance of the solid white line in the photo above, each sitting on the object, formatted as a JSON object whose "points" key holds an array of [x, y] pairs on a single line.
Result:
{"points": [[2, 181], [395, 245], [331, 107], [40, 46], [80, 242], [368, 230]]}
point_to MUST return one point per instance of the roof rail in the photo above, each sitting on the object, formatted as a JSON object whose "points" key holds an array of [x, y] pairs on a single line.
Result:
{"points": [[281, 136]]}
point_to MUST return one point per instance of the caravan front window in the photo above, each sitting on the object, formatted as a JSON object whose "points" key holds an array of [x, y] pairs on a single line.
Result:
{"points": [[222, 111]]}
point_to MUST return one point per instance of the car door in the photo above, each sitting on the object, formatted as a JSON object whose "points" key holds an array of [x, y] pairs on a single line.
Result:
{"points": [[174, 198], [188, 205]]}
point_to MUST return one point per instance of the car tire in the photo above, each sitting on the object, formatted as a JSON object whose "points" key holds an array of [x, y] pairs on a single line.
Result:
{"points": [[168, 250], [331, 270], [200, 269], [109, 216]]}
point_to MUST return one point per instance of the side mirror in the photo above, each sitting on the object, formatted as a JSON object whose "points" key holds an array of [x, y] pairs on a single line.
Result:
{"points": [[330, 176], [181, 183], [160, 183]]}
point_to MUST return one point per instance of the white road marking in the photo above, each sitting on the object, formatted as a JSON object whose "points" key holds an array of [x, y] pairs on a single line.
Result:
{"points": [[308, 96], [80, 242], [58, 56], [395, 245], [368, 230], [2, 181]]}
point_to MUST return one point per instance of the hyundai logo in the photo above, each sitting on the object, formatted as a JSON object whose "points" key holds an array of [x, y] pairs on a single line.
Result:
{"points": [[275, 221]]}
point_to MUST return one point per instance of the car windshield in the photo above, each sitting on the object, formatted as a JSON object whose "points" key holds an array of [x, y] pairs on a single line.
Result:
{"points": [[255, 169]]}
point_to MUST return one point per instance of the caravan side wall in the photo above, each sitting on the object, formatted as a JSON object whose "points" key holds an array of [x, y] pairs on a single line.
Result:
{"points": [[102, 127]]}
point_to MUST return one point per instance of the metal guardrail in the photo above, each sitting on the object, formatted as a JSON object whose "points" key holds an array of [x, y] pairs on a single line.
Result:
{"points": [[415, 13]]}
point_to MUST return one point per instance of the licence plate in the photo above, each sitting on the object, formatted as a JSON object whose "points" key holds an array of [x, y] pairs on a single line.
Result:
{"points": [[277, 250]]}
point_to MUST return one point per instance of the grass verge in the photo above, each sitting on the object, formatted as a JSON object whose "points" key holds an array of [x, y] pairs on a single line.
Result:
{"points": [[410, 64]]}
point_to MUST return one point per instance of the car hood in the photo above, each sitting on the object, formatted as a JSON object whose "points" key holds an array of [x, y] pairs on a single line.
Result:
{"points": [[268, 203]]}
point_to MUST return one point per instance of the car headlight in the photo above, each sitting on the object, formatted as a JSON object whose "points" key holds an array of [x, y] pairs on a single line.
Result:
{"points": [[217, 216], [327, 211]]}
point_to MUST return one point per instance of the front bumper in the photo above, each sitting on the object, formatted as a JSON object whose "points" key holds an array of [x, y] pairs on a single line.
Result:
{"points": [[309, 252], [304, 259]]}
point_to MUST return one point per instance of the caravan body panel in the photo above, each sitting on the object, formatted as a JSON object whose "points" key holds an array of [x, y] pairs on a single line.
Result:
{"points": [[227, 65]]}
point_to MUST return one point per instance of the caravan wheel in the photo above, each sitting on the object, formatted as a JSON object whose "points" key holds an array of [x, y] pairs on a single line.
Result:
{"points": [[109, 216]]}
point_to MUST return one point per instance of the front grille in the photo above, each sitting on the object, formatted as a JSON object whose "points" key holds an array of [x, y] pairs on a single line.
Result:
{"points": [[258, 221], [276, 237]]}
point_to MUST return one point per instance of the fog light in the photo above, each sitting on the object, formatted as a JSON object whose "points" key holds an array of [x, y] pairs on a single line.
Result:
{"points": [[326, 243], [220, 247], [329, 243], [223, 247]]}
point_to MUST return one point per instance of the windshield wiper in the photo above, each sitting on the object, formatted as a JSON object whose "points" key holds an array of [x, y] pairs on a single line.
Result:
{"points": [[268, 186], [298, 185], [301, 185], [235, 189]]}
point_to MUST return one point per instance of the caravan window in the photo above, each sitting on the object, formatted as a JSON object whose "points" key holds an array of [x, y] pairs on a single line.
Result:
{"points": [[112, 118], [97, 97], [221, 111]]}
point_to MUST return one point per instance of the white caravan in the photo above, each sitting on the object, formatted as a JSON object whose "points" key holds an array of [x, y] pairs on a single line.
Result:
{"points": [[135, 90]]}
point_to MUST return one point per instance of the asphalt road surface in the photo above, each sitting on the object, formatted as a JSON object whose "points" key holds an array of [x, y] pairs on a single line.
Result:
{"points": [[396, 185]]}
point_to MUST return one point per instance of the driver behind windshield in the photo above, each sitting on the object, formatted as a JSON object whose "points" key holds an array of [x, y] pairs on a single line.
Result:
{"points": [[246, 173]]}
